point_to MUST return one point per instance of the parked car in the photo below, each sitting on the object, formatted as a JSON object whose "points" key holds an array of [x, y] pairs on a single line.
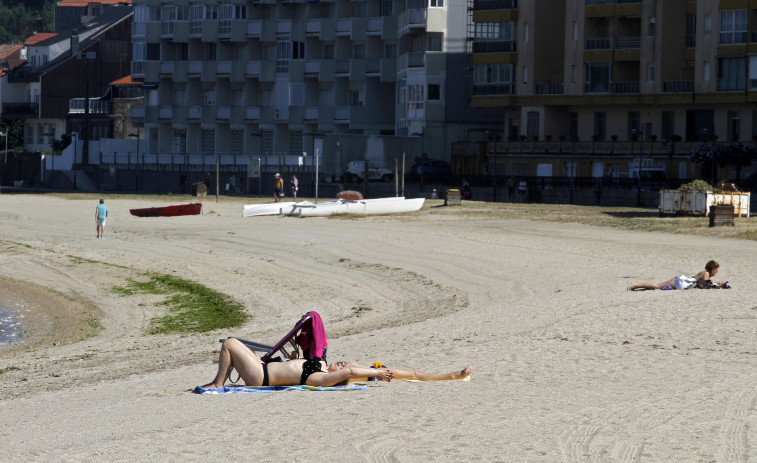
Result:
{"points": [[354, 171], [432, 168]]}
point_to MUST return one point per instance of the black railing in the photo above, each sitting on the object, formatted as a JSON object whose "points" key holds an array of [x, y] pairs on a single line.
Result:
{"points": [[495, 47], [20, 109], [495, 4]]}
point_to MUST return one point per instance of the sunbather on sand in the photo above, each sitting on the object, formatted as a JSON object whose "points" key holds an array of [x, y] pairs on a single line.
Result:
{"points": [[313, 372], [682, 281]]}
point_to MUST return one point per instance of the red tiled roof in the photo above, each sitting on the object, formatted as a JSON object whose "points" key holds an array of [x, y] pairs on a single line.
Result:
{"points": [[7, 50], [36, 38], [81, 3], [125, 81]]}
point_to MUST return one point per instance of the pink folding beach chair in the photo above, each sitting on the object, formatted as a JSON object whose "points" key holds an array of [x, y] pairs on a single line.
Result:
{"points": [[306, 340]]}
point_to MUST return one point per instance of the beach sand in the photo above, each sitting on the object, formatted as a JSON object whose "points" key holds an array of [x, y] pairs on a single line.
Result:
{"points": [[567, 365]]}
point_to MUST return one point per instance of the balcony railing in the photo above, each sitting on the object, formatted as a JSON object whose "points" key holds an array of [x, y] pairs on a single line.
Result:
{"points": [[678, 86], [495, 4], [550, 88], [495, 46], [609, 2], [599, 43], [628, 42], [493, 89], [96, 106], [19, 109], [626, 87]]}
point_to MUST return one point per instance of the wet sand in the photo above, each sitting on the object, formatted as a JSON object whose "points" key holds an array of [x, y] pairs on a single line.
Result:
{"points": [[567, 365]]}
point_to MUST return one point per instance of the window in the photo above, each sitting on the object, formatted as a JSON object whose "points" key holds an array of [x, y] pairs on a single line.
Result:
{"points": [[416, 96], [600, 125], [436, 3], [575, 30], [179, 141], [209, 52], [434, 42], [179, 97], [525, 75], [733, 25], [668, 125], [390, 51], [196, 14], [573, 74], [209, 96], [328, 51], [357, 98], [525, 32], [532, 124], [495, 31], [40, 134], [492, 79], [386, 8], [434, 92], [691, 30], [634, 124], [358, 51], [734, 125], [573, 125], [651, 29], [706, 72], [650, 72], [598, 77], [707, 24], [731, 74]]}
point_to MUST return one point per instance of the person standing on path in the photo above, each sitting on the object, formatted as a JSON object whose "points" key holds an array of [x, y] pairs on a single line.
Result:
{"points": [[295, 186], [278, 187], [101, 213]]}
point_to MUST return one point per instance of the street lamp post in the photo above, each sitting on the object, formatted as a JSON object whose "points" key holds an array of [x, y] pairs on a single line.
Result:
{"points": [[5, 153]]}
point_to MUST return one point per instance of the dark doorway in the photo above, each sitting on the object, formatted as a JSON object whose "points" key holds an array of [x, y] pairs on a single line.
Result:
{"points": [[699, 125]]}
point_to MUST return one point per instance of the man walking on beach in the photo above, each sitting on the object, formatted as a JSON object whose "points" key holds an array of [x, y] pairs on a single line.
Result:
{"points": [[101, 213]]}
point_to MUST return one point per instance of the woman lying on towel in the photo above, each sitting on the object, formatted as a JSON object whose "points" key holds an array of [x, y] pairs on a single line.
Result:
{"points": [[682, 281], [313, 372]]}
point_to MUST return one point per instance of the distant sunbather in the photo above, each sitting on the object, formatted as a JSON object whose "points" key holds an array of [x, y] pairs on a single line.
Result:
{"points": [[682, 281], [313, 372]]}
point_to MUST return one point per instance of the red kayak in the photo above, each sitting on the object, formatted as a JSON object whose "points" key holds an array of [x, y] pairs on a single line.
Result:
{"points": [[168, 211]]}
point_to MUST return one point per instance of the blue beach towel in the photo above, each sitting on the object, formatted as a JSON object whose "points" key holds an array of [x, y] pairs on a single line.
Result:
{"points": [[258, 389]]}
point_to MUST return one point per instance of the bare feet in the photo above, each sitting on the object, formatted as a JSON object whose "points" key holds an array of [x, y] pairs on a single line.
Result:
{"points": [[464, 373]]}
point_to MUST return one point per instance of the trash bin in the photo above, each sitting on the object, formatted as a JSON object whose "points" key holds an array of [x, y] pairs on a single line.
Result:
{"points": [[721, 215], [453, 197]]}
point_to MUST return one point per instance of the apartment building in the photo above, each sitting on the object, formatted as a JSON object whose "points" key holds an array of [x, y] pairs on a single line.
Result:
{"points": [[349, 79], [602, 70], [72, 14]]}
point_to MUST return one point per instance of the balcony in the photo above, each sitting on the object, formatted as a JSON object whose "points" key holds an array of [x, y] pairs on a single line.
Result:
{"points": [[232, 30], [194, 69], [223, 70], [550, 88], [324, 29], [678, 86], [263, 70], [166, 69], [284, 27], [96, 106], [628, 42], [375, 26], [137, 113], [194, 114], [265, 31], [311, 114], [493, 89], [599, 43], [481, 5], [631, 86], [412, 60], [507, 46], [165, 113], [412, 20], [223, 113], [252, 114], [20, 109]]}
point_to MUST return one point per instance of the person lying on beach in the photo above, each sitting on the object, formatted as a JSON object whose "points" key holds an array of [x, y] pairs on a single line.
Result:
{"points": [[682, 281], [313, 372]]}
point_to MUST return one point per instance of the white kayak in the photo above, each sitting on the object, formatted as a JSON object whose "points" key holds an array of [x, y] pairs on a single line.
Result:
{"points": [[360, 207], [252, 210]]}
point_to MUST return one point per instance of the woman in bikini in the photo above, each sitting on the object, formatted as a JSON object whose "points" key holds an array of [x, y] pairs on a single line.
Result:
{"points": [[313, 372], [682, 281]]}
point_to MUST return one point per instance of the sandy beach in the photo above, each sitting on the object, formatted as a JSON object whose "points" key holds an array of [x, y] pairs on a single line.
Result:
{"points": [[567, 365]]}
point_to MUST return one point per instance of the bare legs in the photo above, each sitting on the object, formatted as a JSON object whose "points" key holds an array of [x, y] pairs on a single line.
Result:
{"points": [[651, 285], [237, 355], [404, 373]]}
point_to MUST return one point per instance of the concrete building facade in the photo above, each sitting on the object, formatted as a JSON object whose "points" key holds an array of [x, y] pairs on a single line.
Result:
{"points": [[346, 79]]}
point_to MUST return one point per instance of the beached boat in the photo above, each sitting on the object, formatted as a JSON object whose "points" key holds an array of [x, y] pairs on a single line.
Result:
{"points": [[377, 206], [168, 211], [252, 210]]}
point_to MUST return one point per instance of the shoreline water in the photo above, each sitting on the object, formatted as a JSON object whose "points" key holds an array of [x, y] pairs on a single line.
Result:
{"points": [[10, 327]]}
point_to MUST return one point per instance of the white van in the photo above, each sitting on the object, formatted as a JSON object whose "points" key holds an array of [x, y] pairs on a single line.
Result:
{"points": [[354, 171]]}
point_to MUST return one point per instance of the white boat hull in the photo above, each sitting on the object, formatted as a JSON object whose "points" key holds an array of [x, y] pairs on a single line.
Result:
{"points": [[252, 210], [378, 206]]}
